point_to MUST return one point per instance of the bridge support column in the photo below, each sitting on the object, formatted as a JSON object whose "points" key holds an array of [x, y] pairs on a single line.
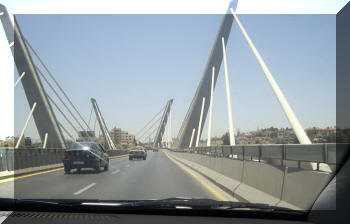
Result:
{"points": [[193, 131], [44, 116], [25, 125], [228, 96], [293, 120], [200, 123], [211, 106]]}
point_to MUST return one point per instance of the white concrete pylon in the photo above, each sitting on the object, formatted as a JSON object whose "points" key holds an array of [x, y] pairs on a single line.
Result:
{"points": [[193, 131], [170, 138], [25, 125], [19, 79], [200, 123], [211, 106], [228, 96], [293, 120], [45, 141]]}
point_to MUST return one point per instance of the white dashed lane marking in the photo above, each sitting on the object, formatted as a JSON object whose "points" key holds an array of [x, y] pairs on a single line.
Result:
{"points": [[116, 171], [84, 189]]}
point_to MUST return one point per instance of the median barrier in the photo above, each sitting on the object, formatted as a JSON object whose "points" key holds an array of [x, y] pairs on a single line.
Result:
{"points": [[112, 153]]}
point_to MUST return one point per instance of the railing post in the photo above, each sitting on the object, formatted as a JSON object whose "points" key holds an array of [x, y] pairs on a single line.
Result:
{"points": [[243, 153], [283, 154], [259, 153], [325, 153]]}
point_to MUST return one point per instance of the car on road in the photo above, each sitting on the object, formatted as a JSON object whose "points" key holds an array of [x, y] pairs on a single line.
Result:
{"points": [[85, 155], [137, 153], [155, 149]]}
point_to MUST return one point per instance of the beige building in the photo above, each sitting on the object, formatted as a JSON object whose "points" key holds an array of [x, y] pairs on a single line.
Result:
{"points": [[121, 137], [8, 142]]}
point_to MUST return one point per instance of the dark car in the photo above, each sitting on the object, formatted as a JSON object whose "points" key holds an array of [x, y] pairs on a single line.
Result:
{"points": [[155, 149], [85, 155]]}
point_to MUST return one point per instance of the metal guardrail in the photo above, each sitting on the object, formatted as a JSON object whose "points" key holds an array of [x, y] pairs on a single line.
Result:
{"points": [[15, 159], [24, 158], [327, 153], [117, 152]]}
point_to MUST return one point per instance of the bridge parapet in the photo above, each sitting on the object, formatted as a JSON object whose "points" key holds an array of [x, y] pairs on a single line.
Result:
{"points": [[291, 155], [286, 175]]}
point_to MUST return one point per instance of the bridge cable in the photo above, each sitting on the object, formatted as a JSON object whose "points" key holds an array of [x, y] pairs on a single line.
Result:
{"points": [[59, 109], [152, 133], [65, 130], [51, 87], [147, 131], [58, 85], [150, 127], [150, 121]]}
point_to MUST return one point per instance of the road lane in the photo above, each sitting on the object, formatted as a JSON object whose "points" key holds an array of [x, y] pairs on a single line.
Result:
{"points": [[155, 178]]}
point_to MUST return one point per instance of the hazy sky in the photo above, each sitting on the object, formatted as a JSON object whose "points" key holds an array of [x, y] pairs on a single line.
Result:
{"points": [[132, 64]]}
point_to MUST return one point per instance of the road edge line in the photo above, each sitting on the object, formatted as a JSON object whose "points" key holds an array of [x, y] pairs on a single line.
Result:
{"points": [[201, 179]]}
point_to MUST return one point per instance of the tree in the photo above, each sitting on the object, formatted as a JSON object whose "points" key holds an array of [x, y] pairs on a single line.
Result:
{"points": [[226, 138]]}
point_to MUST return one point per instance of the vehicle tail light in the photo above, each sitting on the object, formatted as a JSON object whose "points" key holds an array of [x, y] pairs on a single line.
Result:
{"points": [[92, 155], [65, 155]]}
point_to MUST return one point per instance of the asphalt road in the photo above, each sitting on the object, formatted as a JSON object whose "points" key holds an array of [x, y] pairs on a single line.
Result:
{"points": [[155, 178]]}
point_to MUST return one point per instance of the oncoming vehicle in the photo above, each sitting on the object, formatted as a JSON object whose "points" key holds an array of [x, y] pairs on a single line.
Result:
{"points": [[137, 153], [85, 155], [155, 150]]}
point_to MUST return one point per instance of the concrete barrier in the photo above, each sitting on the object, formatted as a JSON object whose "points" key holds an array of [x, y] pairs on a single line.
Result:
{"points": [[231, 173], [202, 162], [198, 158], [261, 183], [211, 167], [301, 187]]}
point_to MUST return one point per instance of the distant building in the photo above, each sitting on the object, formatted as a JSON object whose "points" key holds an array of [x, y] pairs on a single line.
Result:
{"points": [[121, 137], [216, 142], [8, 142]]}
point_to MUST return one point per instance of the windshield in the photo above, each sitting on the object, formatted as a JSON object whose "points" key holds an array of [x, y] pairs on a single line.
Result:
{"points": [[190, 90]]}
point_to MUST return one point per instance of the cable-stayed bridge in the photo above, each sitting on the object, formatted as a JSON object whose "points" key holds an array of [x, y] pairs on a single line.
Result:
{"points": [[253, 173], [51, 130]]}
